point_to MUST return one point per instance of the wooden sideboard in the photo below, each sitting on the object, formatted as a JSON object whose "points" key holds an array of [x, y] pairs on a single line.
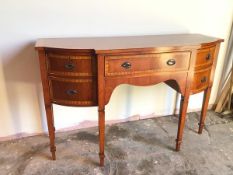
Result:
{"points": [[85, 71]]}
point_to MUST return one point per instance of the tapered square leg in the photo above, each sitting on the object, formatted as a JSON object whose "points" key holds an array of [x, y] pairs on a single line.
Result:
{"points": [[206, 98], [101, 134], [47, 101], [51, 129], [183, 110]]}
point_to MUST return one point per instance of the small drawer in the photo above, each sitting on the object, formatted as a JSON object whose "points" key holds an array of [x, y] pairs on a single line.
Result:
{"points": [[72, 64], [205, 57], [201, 80], [134, 64], [67, 91]]}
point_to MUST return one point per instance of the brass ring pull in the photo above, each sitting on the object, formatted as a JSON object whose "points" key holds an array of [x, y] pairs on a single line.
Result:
{"points": [[171, 62], [126, 65], [69, 66], [204, 79], [71, 92], [208, 56]]}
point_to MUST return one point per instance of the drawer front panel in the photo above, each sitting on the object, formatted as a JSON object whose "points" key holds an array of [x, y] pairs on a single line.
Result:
{"points": [[205, 57], [201, 80], [123, 65], [80, 65], [73, 91]]}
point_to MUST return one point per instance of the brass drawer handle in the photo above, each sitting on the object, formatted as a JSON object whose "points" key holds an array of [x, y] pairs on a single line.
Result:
{"points": [[71, 92], [208, 56], [70, 66], [204, 79], [126, 65], [171, 62]]}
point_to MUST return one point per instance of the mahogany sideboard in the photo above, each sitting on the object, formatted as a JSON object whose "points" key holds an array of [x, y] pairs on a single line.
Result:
{"points": [[85, 71]]}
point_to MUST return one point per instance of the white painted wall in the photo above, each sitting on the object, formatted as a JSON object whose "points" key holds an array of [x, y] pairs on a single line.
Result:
{"points": [[22, 22]]}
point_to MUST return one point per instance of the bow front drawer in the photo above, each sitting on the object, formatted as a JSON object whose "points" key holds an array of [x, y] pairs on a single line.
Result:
{"points": [[205, 57], [67, 91], [201, 80], [71, 64], [146, 63]]}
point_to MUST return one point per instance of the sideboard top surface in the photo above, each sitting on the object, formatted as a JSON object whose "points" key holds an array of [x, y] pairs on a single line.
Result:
{"points": [[102, 44]]}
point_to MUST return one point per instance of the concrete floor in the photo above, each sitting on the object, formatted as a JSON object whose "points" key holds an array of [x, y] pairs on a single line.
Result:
{"points": [[140, 147]]}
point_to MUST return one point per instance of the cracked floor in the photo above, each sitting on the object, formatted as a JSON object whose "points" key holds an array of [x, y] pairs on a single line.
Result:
{"points": [[144, 147]]}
